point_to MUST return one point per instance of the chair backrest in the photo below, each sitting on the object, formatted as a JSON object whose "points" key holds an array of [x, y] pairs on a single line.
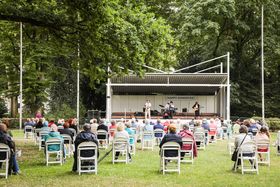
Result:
{"points": [[148, 135], [248, 147], [102, 132], [199, 136], [171, 146], [42, 134], [254, 131], [60, 127], [159, 133], [4, 148], [54, 141], [67, 138], [263, 144], [87, 146], [188, 142], [120, 143], [28, 128]]}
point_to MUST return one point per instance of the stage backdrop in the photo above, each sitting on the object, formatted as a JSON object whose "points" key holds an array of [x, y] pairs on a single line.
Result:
{"points": [[135, 103]]}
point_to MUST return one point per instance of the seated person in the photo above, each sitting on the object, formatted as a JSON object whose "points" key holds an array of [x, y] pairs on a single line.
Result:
{"points": [[213, 129], [85, 136], [94, 125], [130, 133], [66, 130], [72, 124], [186, 133], [171, 137], [54, 134], [262, 136], [113, 128], [6, 139], [121, 133], [158, 126], [243, 137], [148, 128]]}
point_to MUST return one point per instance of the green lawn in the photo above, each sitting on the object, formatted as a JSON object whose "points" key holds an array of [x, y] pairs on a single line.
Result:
{"points": [[211, 168]]}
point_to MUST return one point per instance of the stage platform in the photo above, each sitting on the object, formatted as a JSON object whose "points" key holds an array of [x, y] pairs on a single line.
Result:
{"points": [[178, 115]]}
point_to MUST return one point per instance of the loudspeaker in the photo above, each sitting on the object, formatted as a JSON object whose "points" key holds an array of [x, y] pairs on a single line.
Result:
{"points": [[184, 110]]}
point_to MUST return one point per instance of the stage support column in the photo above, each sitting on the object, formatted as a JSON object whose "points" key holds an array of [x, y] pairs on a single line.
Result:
{"points": [[221, 102], [228, 87], [108, 97]]}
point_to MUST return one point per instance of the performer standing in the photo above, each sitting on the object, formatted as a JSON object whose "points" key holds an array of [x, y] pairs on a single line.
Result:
{"points": [[196, 108], [148, 106]]}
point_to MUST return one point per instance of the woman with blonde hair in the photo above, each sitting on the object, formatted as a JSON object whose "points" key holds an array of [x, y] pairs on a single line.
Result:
{"points": [[124, 134]]}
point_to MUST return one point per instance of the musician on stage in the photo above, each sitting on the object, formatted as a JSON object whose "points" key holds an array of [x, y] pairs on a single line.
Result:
{"points": [[196, 108], [148, 106], [171, 109]]}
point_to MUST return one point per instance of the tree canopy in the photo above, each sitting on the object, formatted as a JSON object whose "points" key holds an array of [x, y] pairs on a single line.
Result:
{"points": [[126, 34]]}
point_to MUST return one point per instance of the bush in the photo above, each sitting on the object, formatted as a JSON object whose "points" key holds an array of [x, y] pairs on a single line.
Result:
{"points": [[273, 123]]}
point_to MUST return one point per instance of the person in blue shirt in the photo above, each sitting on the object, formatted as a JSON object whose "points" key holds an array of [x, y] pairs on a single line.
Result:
{"points": [[130, 132]]}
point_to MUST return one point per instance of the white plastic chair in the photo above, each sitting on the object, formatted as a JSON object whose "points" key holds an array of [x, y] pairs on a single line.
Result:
{"points": [[103, 142], [188, 153], [200, 137], [121, 145], [36, 135], [165, 162], [91, 161], [248, 148], [59, 153], [158, 132], [5, 149], [278, 144], [230, 144], [147, 141], [28, 132], [263, 145], [68, 143], [42, 135]]}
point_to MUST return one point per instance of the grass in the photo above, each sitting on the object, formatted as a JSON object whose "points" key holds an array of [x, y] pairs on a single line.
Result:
{"points": [[211, 168]]}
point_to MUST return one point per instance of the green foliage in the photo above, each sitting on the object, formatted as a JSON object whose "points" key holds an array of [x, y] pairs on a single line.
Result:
{"points": [[3, 108], [64, 111]]}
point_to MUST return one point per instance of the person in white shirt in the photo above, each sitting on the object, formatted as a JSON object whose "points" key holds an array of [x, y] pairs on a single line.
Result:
{"points": [[148, 106]]}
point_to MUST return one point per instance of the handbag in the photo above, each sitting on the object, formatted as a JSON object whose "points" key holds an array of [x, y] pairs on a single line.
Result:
{"points": [[235, 152]]}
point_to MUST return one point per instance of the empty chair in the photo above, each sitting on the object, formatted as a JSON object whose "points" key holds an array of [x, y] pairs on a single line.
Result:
{"points": [[200, 140], [54, 146], [36, 135], [102, 136], [120, 147], [165, 159], [68, 144], [247, 155], [28, 132], [4, 158], [187, 152], [158, 134], [147, 140], [87, 157]]}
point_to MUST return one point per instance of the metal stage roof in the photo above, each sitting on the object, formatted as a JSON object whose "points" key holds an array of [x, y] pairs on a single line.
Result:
{"points": [[177, 83]]}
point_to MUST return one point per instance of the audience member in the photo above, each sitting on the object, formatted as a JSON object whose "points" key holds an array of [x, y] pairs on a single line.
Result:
{"points": [[5, 138], [84, 136], [262, 136], [186, 133], [121, 133], [171, 136]]}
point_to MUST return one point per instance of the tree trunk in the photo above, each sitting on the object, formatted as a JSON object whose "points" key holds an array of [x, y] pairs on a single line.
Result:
{"points": [[14, 107]]}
